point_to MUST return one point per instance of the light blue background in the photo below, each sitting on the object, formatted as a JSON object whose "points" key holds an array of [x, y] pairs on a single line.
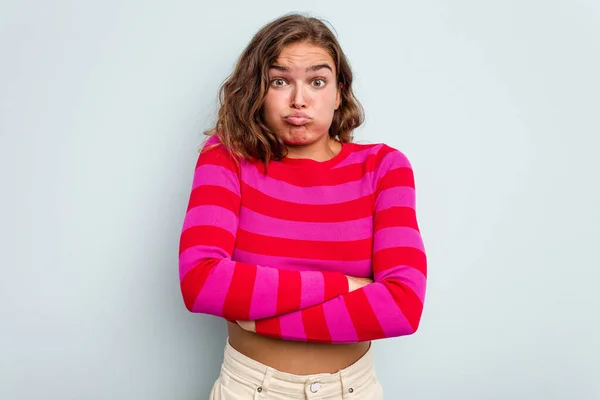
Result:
{"points": [[496, 103]]}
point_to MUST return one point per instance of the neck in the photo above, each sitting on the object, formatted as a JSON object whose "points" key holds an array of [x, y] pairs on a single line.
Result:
{"points": [[319, 151]]}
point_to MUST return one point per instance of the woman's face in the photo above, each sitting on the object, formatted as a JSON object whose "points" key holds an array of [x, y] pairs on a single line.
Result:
{"points": [[302, 95]]}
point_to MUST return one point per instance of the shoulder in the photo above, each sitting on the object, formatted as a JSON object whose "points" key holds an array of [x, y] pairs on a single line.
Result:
{"points": [[214, 152], [390, 167]]}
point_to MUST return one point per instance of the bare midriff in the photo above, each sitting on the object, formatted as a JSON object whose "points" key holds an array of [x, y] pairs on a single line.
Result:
{"points": [[299, 358]]}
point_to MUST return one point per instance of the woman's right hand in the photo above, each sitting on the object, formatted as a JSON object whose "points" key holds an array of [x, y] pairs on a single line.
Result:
{"points": [[355, 283]]}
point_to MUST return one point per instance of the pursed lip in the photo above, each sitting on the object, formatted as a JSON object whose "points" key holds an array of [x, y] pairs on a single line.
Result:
{"points": [[297, 118]]}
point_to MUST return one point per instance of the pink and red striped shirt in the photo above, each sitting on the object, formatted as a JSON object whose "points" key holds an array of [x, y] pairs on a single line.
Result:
{"points": [[276, 247]]}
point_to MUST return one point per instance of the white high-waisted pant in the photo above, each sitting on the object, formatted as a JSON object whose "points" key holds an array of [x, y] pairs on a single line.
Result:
{"points": [[243, 378]]}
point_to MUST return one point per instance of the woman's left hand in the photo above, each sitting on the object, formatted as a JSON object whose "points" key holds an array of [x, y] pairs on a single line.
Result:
{"points": [[249, 326]]}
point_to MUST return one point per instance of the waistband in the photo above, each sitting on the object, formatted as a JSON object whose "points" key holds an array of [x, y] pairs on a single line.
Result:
{"points": [[265, 378]]}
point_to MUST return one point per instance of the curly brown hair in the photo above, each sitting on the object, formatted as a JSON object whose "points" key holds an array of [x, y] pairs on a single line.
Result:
{"points": [[240, 126]]}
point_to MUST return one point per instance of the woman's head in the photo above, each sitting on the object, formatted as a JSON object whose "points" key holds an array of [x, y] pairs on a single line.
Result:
{"points": [[303, 95], [292, 85]]}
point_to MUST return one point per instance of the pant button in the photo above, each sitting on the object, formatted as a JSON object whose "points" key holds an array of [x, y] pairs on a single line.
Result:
{"points": [[314, 387]]}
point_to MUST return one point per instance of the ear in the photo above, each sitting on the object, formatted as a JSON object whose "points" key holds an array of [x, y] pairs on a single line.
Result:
{"points": [[338, 97]]}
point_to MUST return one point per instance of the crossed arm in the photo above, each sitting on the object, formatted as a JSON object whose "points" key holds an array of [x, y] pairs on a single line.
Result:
{"points": [[354, 283]]}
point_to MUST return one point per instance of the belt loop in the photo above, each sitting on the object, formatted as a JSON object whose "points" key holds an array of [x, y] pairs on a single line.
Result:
{"points": [[265, 383], [343, 384]]}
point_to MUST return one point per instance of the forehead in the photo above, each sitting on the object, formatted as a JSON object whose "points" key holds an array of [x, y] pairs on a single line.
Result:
{"points": [[302, 55]]}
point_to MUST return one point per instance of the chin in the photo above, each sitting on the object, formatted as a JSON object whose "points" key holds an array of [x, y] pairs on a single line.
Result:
{"points": [[292, 139], [300, 138]]}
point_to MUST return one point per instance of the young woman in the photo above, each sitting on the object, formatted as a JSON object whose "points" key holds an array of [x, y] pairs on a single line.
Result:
{"points": [[305, 242]]}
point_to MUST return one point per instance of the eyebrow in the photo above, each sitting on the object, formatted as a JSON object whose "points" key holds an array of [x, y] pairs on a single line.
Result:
{"points": [[314, 68]]}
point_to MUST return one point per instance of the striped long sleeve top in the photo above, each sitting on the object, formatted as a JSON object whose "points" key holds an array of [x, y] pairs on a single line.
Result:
{"points": [[277, 247]]}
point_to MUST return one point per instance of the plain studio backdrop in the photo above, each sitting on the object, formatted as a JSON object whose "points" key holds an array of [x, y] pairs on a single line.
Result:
{"points": [[496, 103]]}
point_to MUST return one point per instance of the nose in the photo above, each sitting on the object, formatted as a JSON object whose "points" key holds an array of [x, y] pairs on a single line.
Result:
{"points": [[298, 98]]}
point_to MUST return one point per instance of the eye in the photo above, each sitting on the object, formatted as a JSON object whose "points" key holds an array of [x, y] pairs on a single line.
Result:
{"points": [[321, 82], [278, 82]]}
